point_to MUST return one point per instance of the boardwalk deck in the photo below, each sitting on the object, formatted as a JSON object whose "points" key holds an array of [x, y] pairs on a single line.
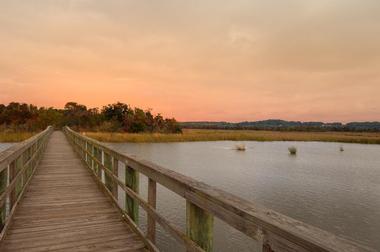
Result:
{"points": [[67, 206], [64, 210]]}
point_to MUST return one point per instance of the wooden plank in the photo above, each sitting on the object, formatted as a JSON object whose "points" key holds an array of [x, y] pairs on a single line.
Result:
{"points": [[132, 181], [64, 210], [279, 232]]}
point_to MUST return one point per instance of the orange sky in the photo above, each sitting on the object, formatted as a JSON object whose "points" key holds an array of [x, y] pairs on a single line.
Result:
{"points": [[196, 60]]}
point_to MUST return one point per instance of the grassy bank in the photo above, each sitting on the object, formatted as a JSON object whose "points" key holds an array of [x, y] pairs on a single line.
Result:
{"points": [[238, 135], [10, 137]]}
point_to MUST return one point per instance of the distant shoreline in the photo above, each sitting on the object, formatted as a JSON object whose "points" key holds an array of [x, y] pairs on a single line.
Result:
{"points": [[194, 135], [197, 135]]}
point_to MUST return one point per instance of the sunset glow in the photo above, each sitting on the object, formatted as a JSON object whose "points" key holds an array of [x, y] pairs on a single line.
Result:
{"points": [[196, 60]]}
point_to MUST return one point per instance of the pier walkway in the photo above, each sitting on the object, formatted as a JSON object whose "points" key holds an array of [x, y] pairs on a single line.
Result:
{"points": [[64, 210], [60, 191]]}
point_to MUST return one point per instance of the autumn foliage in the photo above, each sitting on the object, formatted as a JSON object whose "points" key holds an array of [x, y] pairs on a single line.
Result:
{"points": [[117, 117]]}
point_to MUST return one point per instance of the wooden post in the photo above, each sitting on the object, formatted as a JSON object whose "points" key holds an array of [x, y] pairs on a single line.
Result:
{"points": [[85, 152], [19, 182], [132, 181], [92, 159], [115, 170], [108, 181], [3, 186], [199, 226], [12, 174], [98, 156], [152, 196]]}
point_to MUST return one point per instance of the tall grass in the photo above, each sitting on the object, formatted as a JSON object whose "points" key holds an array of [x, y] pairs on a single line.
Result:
{"points": [[11, 137], [292, 150], [240, 147], [238, 135]]}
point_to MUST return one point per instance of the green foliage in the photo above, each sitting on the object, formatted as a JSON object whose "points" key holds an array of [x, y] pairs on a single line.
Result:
{"points": [[117, 117]]}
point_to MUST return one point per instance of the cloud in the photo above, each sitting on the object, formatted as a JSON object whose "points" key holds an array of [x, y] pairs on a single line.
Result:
{"points": [[258, 59]]}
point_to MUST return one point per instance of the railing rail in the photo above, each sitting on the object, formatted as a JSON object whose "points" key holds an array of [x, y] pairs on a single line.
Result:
{"points": [[17, 166], [272, 231]]}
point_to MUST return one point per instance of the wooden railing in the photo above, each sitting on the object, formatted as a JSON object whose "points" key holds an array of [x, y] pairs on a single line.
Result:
{"points": [[17, 166], [272, 231]]}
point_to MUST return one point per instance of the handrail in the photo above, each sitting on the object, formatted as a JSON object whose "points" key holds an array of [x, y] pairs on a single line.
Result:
{"points": [[273, 231], [17, 166]]}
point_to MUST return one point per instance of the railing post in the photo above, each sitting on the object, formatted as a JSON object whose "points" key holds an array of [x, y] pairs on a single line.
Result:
{"points": [[3, 186], [85, 152], [102, 172], [98, 156], [108, 163], [12, 174], [199, 226], [132, 181], [115, 170], [152, 198], [93, 156]]}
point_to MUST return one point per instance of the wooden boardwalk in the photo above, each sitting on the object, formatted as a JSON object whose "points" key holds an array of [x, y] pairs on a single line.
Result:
{"points": [[64, 210], [71, 204]]}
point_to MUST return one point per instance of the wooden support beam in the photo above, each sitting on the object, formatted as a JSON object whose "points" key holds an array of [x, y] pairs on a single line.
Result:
{"points": [[152, 198], [115, 170], [132, 181], [199, 226], [109, 165], [3, 186], [274, 231]]}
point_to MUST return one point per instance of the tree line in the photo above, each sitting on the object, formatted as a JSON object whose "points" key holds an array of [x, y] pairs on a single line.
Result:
{"points": [[117, 117], [281, 125]]}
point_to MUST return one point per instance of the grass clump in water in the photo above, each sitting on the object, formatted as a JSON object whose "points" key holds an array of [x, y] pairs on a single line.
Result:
{"points": [[240, 147], [292, 150]]}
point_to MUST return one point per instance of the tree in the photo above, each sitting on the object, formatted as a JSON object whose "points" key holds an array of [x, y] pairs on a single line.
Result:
{"points": [[75, 114], [116, 111]]}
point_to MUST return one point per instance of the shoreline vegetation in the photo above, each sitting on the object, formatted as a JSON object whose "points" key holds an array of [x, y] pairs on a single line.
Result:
{"points": [[194, 135], [13, 137]]}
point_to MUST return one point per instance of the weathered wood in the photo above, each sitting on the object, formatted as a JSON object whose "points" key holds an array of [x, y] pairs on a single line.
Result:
{"points": [[115, 170], [199, 226], [12, 153], [152, 201], [3, 187], [64, 209], [178, 235], [278, 232], [108, 164], [114, 200], [132, 181]]}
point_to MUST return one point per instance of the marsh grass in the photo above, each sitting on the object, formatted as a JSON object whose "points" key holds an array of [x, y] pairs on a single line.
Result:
{"points": [[11, 137], [292, 150], [240, 147], [190, 135]]}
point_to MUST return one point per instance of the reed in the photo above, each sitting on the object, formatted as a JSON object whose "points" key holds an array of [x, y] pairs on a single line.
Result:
{"points": [[292, 150], [189, 135], [240, 147], [10, 137]]}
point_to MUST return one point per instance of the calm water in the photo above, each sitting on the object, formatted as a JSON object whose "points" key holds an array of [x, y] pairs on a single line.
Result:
{"points": [[336, 191]]}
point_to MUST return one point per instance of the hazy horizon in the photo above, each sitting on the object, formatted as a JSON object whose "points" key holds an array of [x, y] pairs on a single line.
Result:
{"points": [[198, 60]]}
